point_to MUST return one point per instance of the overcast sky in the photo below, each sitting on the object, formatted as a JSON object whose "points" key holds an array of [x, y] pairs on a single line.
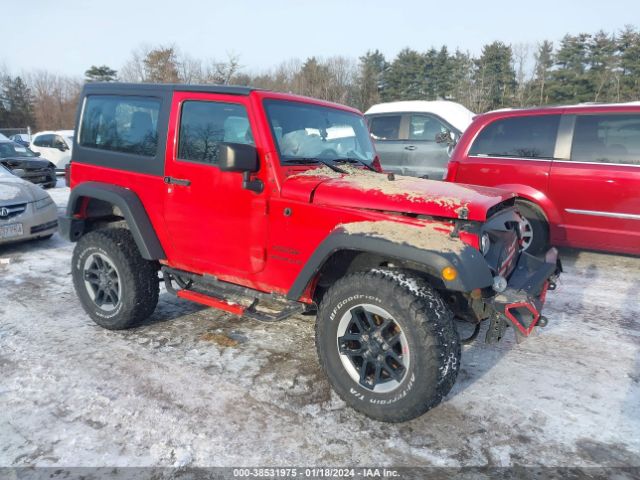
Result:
{"points": [[68, 36]]}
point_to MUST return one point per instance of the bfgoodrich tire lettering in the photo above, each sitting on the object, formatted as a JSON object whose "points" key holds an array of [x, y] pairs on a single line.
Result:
{"points": [[137, 278], [431, 341]]}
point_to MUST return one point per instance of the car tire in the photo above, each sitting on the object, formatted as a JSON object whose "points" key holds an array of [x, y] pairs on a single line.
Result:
{"points": [[116, 286], [415, 315], [536, 228]]}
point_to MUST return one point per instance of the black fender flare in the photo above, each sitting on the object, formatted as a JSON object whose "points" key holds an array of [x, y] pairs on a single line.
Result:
{"points": [[132, 210], [473, 270]]}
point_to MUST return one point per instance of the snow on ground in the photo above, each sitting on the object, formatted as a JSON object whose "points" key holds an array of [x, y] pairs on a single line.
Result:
{"points": [[193, 386]]}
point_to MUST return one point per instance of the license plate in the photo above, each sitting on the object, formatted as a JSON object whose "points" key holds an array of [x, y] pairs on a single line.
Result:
{"points": [[9, 231]]}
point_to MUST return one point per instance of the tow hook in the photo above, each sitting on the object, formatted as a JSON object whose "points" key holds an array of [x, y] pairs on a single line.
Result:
{"points": [[543, 321]]}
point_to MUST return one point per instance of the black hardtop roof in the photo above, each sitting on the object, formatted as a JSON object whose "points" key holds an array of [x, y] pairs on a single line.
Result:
{"points": [[148, 88]]}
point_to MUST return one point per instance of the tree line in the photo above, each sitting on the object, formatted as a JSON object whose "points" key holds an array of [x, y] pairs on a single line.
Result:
{"points": [[597, 67]]}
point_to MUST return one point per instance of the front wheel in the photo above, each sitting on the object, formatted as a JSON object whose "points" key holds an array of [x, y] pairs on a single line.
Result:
{"points": [[387, 343]]}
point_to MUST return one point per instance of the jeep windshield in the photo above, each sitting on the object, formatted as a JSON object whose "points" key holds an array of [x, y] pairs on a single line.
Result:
{"points": [[306, 133]]}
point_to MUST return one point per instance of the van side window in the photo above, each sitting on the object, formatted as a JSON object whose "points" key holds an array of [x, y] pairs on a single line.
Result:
{"points": [[121, 124], [386, 127], [519, 137], [425, 128], [203, 125], [607, 139]]}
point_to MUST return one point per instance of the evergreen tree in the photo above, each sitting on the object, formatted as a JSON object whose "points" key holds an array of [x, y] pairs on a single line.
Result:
{"points": [[602, 65], [102, 73], [405, 77], [628, 47], [18, 103], [544, 63], [369, 81], [569, 82], [443, 70], [495, 76]]}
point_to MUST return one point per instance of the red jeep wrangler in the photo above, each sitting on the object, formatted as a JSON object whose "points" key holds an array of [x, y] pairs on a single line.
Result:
{"points": [[244, 198]]}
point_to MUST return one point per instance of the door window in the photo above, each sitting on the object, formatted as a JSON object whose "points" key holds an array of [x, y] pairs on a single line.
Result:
{"points": [[425, 128], [203, 125], [519, 137], [386, 127], [44, 140], [607, 139]]}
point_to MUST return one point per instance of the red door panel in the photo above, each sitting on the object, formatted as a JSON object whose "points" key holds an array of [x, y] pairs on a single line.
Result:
{"points": [[215, 225]]}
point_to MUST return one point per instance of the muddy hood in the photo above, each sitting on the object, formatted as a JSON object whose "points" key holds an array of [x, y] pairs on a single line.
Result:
{"points": [[373, 191]]}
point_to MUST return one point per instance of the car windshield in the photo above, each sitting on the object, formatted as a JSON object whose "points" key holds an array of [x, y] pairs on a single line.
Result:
{"points": [[11, 149], [306, 132], [4, 172]]}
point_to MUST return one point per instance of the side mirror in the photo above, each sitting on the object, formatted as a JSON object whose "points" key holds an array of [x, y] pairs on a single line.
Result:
{"points": [[62, 147], [18, 172], [237, 157], [37, 154], [447, 137]]}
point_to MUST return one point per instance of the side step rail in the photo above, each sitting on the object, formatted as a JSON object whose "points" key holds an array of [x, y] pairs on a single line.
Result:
{"points": [[219, 290]]}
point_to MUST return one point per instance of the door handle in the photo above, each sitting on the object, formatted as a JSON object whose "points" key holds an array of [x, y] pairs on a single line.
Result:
{"points": [[410, 147], [177, 181]]}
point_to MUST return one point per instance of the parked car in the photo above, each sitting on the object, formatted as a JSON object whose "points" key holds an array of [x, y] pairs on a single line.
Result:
{"points": [[26, 210], [576, 171], [21, 139], [37, 170], [56, 146], [405, 135], [239, 196]]}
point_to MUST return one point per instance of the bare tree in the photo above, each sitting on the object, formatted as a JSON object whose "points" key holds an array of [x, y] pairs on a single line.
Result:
{"points": [[55, 98]]}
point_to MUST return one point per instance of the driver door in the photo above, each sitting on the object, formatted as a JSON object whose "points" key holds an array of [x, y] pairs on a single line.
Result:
{"points": [[215, 225]]}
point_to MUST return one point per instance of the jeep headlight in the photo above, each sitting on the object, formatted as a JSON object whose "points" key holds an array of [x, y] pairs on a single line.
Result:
{"points": [[485, 243], [43, 202]]}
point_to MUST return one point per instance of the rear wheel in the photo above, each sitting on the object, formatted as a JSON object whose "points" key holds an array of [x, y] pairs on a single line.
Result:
{"points": [[535, 228], [116, 286], [387, 343]]}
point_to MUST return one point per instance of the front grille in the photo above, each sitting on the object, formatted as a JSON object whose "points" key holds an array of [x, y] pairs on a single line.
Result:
{"points": [[9, 211], [44, 226]]}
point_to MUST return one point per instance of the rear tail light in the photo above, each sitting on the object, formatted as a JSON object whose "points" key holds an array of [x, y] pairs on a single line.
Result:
{"points": [[452, 171], [67, 175]]}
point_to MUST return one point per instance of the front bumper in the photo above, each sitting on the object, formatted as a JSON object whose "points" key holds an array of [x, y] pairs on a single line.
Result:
{"points": [[520, 304], [35, 223]]}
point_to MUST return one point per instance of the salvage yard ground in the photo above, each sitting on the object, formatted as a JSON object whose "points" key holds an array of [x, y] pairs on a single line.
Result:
{"points": [[194, 386]]}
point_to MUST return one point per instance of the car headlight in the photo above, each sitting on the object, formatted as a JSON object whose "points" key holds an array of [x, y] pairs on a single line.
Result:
{"points": [[485, 243], [44, 202]]}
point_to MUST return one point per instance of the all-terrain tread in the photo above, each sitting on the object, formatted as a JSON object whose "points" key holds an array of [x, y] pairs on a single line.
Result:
{"points": [[138, 274], [435, 319]]}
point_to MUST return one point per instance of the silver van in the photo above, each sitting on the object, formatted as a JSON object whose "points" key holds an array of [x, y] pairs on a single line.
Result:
{"points": [[405, 135]]}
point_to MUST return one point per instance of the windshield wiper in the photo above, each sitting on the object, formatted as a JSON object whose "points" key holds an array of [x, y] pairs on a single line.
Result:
{"points": [[324, 161], [356, 160]]}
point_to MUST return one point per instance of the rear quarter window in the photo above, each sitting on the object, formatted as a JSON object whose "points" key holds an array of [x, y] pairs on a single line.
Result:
{"points": [[607, 139], [519, 137], [120, 124]]}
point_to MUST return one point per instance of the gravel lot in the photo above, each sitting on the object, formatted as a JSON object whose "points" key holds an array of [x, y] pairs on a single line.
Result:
{"points": [[197, 387]]}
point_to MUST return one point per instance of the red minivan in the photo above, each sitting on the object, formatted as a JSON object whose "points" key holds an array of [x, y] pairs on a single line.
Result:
{"points": [[576, 171]]}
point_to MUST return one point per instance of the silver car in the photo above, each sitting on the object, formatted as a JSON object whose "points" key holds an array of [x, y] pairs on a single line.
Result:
{"points": [[26, 210]]}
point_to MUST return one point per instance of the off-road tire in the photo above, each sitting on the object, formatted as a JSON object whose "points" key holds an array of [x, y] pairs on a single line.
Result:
{"points": [[539, 226], [427, 324], [138, 278]]}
